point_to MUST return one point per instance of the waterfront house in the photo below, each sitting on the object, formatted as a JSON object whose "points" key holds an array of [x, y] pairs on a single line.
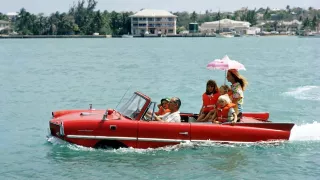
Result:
{"points": [[280, 26], [12, 16], [151, 21], [253, 31], [4, 25], [225, 25]]}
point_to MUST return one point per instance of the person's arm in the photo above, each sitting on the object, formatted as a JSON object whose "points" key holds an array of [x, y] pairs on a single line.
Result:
{"points": [[233, 115], [158, 118], [235, 118], [201, 110], [237, 95]]}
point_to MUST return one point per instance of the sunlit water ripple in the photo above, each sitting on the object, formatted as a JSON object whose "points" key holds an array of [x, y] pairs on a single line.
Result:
{"points": [[39, 76]]}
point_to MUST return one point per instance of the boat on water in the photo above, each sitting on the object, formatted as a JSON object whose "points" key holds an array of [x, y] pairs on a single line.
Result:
{"points": [[224, 35], [127, 36], [129, 126]]}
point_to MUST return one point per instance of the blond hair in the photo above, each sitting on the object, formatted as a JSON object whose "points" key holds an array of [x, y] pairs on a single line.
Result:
{"points": [[239, 78], [225, 88], [224, 98]]}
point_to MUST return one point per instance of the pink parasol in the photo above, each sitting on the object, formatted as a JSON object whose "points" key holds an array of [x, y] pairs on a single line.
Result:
{"points": [[225, 64]]}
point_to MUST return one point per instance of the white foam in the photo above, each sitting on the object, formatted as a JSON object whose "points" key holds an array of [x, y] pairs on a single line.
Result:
{"points": [[305, 93], [305, 132]]}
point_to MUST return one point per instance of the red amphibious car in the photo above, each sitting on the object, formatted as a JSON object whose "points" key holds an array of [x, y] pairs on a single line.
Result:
{"points": [[129, 127]]}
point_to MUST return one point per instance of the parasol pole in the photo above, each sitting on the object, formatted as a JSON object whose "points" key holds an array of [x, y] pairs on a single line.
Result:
{"points": [[225, 77]]}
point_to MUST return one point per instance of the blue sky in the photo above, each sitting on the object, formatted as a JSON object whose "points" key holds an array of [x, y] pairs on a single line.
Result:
{"points": [[48, 6]]}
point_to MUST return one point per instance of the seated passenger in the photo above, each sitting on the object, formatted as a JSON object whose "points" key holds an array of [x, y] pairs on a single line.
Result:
{"points": [[225, 111], [225, 89], [163, 107], [174, 114], [209, 101]]}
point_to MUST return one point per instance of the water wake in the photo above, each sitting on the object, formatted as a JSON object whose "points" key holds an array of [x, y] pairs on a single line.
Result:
{"points": [[305, 93], [306, 132]]}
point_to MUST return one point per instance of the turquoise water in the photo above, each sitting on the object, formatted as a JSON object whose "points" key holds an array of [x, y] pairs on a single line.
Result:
{"points": [[42, 75]]}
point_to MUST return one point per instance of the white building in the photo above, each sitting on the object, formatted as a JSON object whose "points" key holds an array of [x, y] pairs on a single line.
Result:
{"points": [[4, 25], [281, 26], [225, 25], [151, 21], [12, 15], [253, 30]]}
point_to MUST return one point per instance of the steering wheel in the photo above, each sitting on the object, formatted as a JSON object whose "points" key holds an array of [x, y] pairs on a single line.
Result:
{"points": [[147, 117]]}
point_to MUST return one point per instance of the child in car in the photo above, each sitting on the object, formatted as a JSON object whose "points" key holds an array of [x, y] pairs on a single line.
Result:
{"points": [[163, 107]]}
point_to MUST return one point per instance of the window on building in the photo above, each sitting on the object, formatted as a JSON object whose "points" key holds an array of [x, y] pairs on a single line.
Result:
{"points": [[134, 19], [150, 19], [170, 31], [170, 19], [158, 19], [142, 25]]}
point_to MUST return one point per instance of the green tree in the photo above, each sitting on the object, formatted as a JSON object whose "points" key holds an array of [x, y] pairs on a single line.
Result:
{"points": [[83, 15], [218, 16], [194, 16], [115, 23], [314, 23], [267, 14], [24, 23], [3, 17], [183, 19], [288, 9], [306, 23], [97, 23], [251, 17], [180, 29]]}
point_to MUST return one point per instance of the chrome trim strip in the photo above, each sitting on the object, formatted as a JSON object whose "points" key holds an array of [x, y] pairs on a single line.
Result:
{"points": [[126, 138], [85, 130], [101, 137], [162, 140], [151, 139]]}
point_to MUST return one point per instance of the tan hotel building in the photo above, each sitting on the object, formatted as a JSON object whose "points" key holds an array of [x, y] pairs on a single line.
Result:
{"points": [[153, 22]]}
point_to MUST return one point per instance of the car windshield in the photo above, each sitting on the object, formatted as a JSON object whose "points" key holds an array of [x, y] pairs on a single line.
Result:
{"points": [[149, 115], [133, 106]]}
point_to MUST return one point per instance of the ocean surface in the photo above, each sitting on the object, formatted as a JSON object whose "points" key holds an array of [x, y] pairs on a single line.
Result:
{"points": [[38, 76]]}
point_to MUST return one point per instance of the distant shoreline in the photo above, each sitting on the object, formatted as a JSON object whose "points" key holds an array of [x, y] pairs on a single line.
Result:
{"points": [[106, 36]]}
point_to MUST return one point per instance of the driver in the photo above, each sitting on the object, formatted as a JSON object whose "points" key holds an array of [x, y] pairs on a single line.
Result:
{"points": [[174, 114]]}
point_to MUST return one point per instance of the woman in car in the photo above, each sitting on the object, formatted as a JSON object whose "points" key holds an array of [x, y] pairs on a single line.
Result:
{"points": [[209, 101]]}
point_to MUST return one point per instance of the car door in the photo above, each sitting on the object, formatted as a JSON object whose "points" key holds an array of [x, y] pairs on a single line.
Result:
{"points": [[124, 131], [154, 134]]}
